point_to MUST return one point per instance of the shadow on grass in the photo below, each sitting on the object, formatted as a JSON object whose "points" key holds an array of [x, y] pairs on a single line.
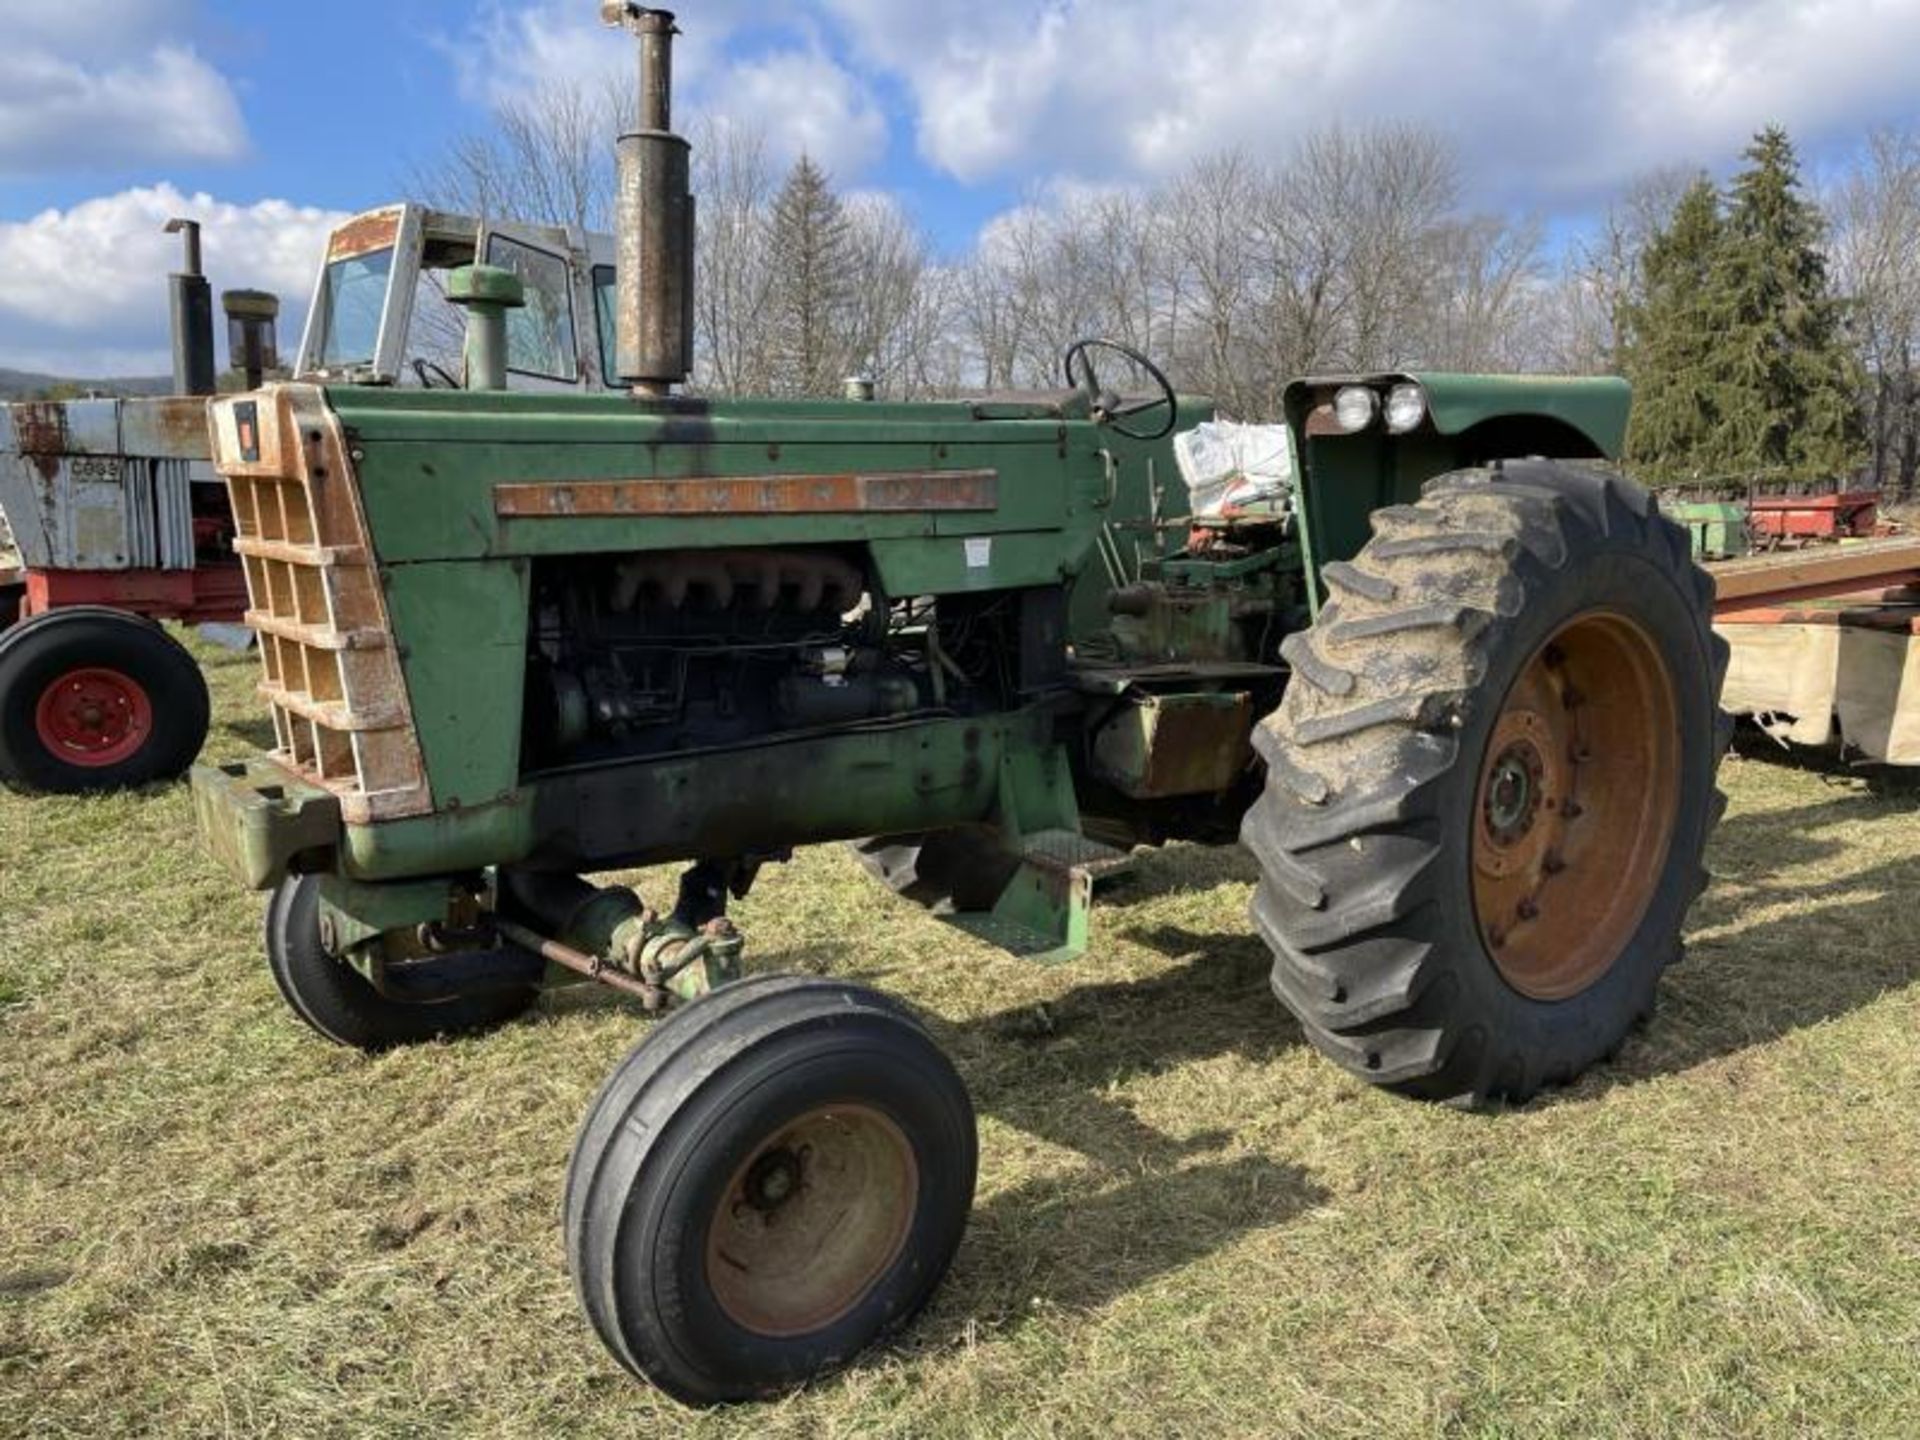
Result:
{"points": [[1836, 945], [1178, 869], [1751, 743], [1154, 1201], [1072, 1243], [1049, 1069], [257, 734], [1839, 943]]}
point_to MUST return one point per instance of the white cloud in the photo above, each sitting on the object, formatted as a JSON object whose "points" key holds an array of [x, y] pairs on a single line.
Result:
{"points": [[787, 86], [90, 83], [1552, 101], [100, 27], [83, 290], [803, 103]]}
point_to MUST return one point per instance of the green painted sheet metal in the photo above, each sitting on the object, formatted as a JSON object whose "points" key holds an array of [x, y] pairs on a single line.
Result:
{"points": [[802, 791], [429, 463], [963, 563], [445, 843], [464, 657], [1596, 406], [257, 818], [1718, 529], [1345, 478]]}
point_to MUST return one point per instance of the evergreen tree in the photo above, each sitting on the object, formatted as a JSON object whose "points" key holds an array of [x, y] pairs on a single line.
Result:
{"points": [[811, 298], [1791, 377], [1671, 355]]}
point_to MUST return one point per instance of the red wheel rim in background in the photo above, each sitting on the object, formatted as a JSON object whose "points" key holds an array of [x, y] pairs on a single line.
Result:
{"points": [[94, 718]]}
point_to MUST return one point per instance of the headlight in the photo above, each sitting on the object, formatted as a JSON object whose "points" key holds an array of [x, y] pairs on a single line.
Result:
{"points": [[1355, 407], [1406, 408]]}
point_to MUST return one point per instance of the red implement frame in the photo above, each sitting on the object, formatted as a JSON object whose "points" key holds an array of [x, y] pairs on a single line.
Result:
{"points": [[1794, 519], [210, 594]]}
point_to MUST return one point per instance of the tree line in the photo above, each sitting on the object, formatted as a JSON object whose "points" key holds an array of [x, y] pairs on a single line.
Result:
{"points": [[1769, 332]]}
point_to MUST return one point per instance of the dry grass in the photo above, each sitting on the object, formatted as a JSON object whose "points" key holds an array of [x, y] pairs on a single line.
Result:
{"points": [[211, 1222]]}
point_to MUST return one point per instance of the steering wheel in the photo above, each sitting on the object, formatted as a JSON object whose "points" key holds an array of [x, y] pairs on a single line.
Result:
{"points": [[1108, 407], [427, 369]]}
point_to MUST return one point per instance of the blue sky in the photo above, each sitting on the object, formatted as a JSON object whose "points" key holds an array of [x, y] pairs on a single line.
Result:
{"points": [[268, 118], [341, 100]]}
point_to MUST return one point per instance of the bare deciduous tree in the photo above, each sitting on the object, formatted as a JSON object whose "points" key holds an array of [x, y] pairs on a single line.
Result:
{"points": [[735, 187], [1351, 252], [548, 160], [1877, 261]]}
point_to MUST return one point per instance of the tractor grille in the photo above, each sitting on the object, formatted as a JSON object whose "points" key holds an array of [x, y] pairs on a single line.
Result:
{"points": [[160, 530], [333, 680]]}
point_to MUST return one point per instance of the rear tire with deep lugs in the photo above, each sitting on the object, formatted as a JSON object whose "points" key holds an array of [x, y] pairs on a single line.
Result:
{"points": [[1491, 783]]}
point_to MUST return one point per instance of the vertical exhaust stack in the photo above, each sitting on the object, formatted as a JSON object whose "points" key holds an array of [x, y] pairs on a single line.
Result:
{"points": [[654, 218], [191, 300]]}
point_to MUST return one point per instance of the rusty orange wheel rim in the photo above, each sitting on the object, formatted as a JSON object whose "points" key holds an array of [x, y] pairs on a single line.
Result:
{"points": [[1578, 796], [812, 1220]]}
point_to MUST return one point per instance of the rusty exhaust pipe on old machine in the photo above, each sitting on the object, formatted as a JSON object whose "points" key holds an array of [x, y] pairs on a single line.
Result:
{"points": [[190, 302], [653, 219]]}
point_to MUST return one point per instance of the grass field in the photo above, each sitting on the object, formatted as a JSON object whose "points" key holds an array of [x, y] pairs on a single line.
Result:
{"points": [[213, 1223]]}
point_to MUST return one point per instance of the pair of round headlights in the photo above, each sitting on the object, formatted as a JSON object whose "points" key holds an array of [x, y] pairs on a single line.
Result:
{"points": [[1356, 407]]}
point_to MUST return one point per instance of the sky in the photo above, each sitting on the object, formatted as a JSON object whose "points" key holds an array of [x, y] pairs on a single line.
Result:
{"points": [[269, 119]]}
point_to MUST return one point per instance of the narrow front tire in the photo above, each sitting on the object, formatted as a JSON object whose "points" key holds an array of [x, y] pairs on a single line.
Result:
{"points": [[339, 1003], [774, 1179]]}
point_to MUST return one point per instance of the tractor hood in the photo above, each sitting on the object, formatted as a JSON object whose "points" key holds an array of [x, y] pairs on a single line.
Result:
{"points": [[1594, 407]]}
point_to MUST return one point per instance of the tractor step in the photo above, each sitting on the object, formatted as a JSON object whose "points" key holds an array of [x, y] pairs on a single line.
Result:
{"points": [[1042, 914], [1069, 850], [1008, 935]]}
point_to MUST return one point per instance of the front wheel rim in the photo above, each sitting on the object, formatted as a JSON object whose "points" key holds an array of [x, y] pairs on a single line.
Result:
{"points": [[94, 717], [1576, 807], [811, 1220]]}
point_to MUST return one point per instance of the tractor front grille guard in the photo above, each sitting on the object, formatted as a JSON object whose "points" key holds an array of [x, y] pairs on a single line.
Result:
{"points": [[332, 676]]}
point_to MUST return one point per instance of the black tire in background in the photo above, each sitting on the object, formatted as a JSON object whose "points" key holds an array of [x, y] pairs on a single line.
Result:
{"points": [[775, 1178], [1445, 800], [339, 1003], [95, 640]]}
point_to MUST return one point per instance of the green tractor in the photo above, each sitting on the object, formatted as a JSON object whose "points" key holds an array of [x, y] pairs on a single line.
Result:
{"points": [[1453, 684]]}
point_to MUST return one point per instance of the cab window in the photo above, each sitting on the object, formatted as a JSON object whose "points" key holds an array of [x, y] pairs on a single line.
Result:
{"points": [[605, 282], [540, 335], [353, 297]]}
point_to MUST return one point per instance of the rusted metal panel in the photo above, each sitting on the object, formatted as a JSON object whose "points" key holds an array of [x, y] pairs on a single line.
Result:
{"points": [[37, 432], [1167, 745], [1809, 574], [915, 490], [104, 484], [63, 486], [331, 676], [169, 428], [377, 230]]}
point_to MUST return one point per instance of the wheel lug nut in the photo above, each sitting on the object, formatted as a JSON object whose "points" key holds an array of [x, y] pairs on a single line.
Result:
{"points": [[1573, 809], [1553, 864], [1528, 910]]}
